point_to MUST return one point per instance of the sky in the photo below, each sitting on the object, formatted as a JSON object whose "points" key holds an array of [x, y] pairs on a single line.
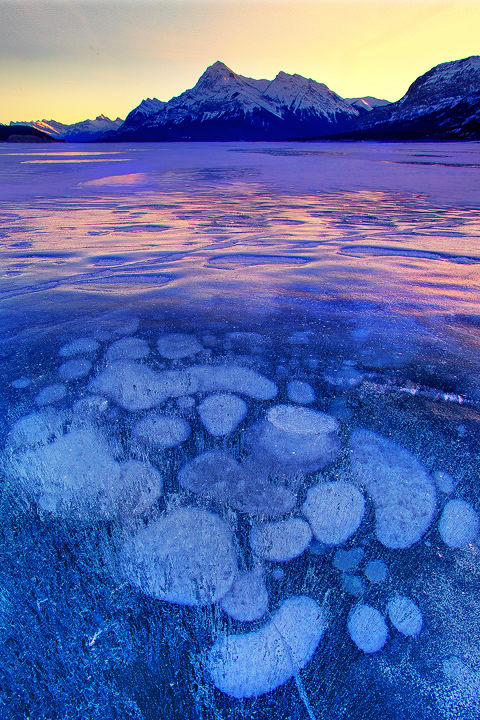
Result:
{"points": [[69, 60]]}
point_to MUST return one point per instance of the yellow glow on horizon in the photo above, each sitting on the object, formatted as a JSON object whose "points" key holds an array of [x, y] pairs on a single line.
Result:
{"points": [[70, 61]]}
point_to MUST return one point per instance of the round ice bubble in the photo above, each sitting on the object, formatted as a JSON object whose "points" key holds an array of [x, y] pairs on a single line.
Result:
{"points": [[405, 615], [334, 511], [74, 369], [376, 571], [300, 392], [459, 524], [280, 541], [161, 431], [81, 346], [175, 346], [221, 413], [50, 394], [367, 628]]}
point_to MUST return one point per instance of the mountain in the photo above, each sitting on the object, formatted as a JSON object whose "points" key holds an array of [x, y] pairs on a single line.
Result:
{"points": [[442, 104], [367, 103], [226, 106], [23, 133], [83, 131]]}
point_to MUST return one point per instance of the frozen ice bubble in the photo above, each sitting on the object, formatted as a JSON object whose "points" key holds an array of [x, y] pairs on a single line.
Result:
{"points": [[334, 511], [300, 392], [81, 346], [445, 482], [218, 475], [399, 486], [37, 428], [293, 440], [367, 628], [74, 369], [280, 541], [50, 394], [252, 664], [278, 573], [247, 599], [175, 346], [347, 560], [405, 615], [127, 348], [233, 378], [20, 383], [185, 402], [376, 571], [221, 413], [137, 387], [352, 584], [184, 557], [459, 524], [345, 377], [161, 431], [75, 476]]}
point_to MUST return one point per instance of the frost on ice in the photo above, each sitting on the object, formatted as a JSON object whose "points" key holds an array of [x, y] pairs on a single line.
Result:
{"points": [[399, 486], [252, 664]]}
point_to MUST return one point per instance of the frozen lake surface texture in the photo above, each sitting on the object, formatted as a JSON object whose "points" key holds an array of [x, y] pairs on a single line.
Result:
{"points": [[240, 431]]}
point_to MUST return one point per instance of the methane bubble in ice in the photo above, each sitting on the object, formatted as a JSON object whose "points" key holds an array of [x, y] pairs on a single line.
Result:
{"points": [[293, 440], [247, 599], [280, 541], [134, 386], [445, 482], [347, 560], [405, 615], [300, 392], [36, 429], [185, 557], [175, 346], [74, 369], [399, 486], [459, 524], [75, 476], [127, 348], [161, 431], [216, 474], [367, 628], [334, 511], [376, 571], [81, 346], [50, 394], [20, 383], [252, 664], [232, 378], [221, 413]]}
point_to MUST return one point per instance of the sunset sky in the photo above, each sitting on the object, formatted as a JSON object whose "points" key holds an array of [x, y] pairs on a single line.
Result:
{"points": [[70, 60]]}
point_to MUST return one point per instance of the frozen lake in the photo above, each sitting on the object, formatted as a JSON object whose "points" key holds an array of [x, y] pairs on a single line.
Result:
{"points": [[240, 397]]}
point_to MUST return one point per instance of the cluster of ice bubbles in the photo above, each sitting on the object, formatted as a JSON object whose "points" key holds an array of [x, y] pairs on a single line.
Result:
{"points": [[70, 461]]}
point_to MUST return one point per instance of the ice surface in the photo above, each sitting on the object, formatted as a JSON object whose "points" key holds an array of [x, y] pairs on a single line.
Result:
{"points": [[280, 541], [401, 490], [349, 267], [255, 663], [334, 511], [185, 557]]}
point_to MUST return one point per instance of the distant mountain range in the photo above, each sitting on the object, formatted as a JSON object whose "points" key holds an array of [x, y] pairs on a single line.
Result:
{"points": [[442, 104], [84, 131]]}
